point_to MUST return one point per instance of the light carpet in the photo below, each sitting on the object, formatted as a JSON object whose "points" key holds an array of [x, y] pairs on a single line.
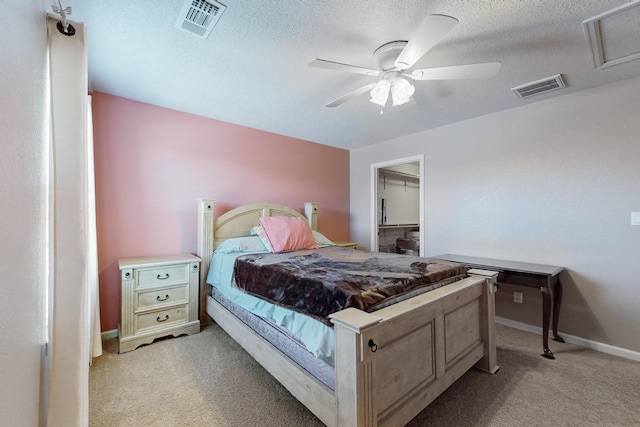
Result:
{"points": [[208, 380]]}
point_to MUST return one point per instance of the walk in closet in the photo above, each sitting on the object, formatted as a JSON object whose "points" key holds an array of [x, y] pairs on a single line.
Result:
{"points": [[398, 193]]}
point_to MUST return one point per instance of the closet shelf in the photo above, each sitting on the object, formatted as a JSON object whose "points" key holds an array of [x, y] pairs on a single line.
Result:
{"points": [[397, 225]]}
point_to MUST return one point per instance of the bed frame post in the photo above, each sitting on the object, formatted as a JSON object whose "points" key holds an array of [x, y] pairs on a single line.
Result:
{"points": [[205, 248], [355, 366], [311, 212]]}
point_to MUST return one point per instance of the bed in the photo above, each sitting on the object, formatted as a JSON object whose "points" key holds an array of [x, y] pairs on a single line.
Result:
{"points": [[387, 364]]}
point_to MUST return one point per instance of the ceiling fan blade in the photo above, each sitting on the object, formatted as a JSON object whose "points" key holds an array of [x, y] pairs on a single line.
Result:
{"points": [[431, 30], [352, 94], [337, 66], [458, 72]]}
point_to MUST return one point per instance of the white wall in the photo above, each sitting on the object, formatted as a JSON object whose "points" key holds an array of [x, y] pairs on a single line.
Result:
{"points": [[553, 182], [22, 210]]}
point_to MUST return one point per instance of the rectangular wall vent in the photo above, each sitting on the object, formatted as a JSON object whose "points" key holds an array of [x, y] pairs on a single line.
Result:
{"points": [[200, 16], [540, 86]]}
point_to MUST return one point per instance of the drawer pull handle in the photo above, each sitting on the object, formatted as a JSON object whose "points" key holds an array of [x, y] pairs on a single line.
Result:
{"points": [[166, 297], [166, 317], [166, 276]]}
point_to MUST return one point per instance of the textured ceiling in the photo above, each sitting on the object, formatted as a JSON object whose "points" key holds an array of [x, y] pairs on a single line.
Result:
{"points": [[252, 70]]}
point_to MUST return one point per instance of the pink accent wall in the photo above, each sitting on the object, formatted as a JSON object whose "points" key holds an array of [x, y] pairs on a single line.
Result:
{"points": [[153, 163]]}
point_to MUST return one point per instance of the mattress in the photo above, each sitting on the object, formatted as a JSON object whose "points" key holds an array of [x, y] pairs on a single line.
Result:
{"points": [[313, 334]]}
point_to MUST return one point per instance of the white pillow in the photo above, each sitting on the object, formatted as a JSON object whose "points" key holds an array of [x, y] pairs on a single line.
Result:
{"points": [[321, 240], [241, 244], [258, 231]]}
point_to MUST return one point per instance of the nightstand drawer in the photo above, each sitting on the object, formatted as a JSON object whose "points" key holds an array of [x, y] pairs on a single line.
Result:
{"points": [[162, 297], [165, 275], [161, 318]]}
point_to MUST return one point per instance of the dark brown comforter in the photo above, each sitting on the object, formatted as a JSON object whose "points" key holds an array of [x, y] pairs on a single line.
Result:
{"points": [[322, 281]]}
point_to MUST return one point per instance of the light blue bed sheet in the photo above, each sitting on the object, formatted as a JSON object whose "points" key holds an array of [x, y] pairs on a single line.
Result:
{"points": [[317, 337]]}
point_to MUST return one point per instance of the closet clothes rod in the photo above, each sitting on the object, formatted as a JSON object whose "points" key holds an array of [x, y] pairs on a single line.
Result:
{"points": [[405, 174]]}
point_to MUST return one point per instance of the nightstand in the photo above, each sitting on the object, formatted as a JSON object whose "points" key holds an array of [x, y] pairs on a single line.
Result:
{"points": [[351, 245], [159, 298]]}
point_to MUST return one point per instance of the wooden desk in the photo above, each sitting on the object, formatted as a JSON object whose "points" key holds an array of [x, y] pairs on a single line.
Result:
{"points": [[545, 277]]}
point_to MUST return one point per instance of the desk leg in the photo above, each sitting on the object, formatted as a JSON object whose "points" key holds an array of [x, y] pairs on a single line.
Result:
{"points": [[557, 298], [546, 314]]}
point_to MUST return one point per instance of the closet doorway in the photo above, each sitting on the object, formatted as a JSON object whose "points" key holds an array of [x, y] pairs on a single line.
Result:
{"points": [[397, 206]]}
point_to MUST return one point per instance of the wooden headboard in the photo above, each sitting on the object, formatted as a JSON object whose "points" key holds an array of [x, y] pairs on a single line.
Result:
{"points": [[235, 223]]}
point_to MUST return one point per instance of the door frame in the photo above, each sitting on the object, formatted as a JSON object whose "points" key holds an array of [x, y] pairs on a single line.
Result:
{"points": [[374, 197]]}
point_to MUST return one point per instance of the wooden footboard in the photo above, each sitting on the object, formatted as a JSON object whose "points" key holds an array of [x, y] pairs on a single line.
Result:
{"points": [[392, 363]]}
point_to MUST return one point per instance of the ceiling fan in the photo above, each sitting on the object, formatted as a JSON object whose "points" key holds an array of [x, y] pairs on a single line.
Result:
{"points": [[395, 60]]}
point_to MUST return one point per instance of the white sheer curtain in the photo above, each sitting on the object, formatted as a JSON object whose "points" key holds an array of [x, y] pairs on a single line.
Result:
{"points": [[95, 333], [74, 325]]}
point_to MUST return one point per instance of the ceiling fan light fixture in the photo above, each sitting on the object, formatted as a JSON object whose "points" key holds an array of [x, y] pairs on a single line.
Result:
{"points": [[396, 60], [402, 91], [380, 93]]}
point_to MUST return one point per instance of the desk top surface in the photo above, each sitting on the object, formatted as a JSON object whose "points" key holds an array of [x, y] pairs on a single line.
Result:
{"points": [[489, 263]]}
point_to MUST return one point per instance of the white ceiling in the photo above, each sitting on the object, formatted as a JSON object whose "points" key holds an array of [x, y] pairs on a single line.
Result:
{"points": [[252, 70]]}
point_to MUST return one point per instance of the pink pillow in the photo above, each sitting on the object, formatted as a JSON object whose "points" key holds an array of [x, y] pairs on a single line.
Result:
{"points": [[287, 233]]}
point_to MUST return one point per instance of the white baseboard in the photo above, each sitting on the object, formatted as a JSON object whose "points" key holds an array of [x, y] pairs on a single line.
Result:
{"points": [[593, 345], [109, 334]]}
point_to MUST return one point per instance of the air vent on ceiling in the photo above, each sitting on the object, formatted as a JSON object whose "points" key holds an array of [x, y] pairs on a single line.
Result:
{"points": [[614, 36], [200, 16], [540, 86]]}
